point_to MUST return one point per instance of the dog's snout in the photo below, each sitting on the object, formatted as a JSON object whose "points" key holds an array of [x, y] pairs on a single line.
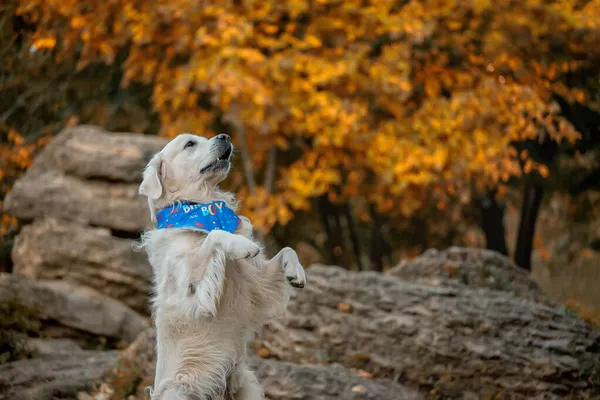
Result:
{"points": [[224, 137]]}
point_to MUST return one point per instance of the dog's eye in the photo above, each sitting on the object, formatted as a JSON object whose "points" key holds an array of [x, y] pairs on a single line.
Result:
{"points": [[189, 144]]}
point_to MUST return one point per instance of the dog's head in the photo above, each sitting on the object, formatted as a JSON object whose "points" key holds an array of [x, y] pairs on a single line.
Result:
{"points": [[187, 168]]}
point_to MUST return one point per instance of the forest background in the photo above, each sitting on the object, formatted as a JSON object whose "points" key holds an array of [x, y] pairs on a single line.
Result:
{"points": [[367, 131]]}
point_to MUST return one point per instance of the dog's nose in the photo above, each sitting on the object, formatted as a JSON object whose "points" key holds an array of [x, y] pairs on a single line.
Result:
{"points": [[224, 137]]}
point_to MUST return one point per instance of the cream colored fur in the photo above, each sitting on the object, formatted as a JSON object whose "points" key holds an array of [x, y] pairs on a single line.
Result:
{"points": [[213, 291]]}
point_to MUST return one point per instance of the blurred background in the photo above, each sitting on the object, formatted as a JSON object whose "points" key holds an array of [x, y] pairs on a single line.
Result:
{"points": [[366, 131]]}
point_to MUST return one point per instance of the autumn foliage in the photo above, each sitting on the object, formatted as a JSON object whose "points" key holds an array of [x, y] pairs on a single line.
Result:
{"points": [[389, 107]]}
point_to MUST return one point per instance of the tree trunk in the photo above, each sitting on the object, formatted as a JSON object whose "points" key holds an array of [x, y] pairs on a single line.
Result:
{"points": [[492, 222], [328, 222], [532, 199], [353, 236], [377, 242], [590, 182]]}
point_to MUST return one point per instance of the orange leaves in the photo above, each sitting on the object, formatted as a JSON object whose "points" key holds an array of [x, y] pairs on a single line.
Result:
{"points": [[7, 223], [17, 153], [313, 175], [432, 88], [406, 104], [265, 210], [44, 43], [312, 41]]}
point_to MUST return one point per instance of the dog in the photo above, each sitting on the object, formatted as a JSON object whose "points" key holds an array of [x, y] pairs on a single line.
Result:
{"points": [[212, 288]]}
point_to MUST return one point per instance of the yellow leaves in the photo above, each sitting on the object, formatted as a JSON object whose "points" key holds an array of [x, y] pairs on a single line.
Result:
{"points": [[107, 53], [313, 41], [587, 312], [251, 56], [438, 159], [44, 43], [432, 87], [394, 117], [15, 138], [552, 72], [7, 223], [264, 353], [345, 307], [270, 29], [454, 25], [364, 374], [475, 59], [579, 95], [77, 22], [17, 153]]}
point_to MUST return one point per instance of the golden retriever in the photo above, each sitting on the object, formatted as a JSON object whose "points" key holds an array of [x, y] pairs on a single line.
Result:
{"points": [[212, 289]]}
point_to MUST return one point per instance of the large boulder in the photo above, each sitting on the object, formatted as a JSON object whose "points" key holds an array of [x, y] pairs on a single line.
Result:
{"points": [[365, 331], [76, 307], [281, 380], [61, 376], [53, 249], [47, 192], [81, 195], [462, 267], [89, 176], [451, 341], [91, 152]]}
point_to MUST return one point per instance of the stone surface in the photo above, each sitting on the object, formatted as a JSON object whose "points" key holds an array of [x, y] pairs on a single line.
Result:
{"points": [[286, 381], [52, 347], [89, 176], [449, 340], [460, 323], [73, 306], [462, 267], [49, 193], [53, 249], [90, 152], [57, 377], [281, 380]]}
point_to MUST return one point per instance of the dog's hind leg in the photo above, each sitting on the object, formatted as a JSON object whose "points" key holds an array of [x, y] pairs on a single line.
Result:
{"points": [[171, 394], [249, 388]]}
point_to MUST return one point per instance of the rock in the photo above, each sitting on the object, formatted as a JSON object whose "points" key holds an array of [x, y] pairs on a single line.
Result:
{"points": [[451, 340], [59, 377], [460, 323], [53, 249], [460, 267], [89, 176], [73, 306], [52, 347], [46, 192], [90, 152], [281, 380]]}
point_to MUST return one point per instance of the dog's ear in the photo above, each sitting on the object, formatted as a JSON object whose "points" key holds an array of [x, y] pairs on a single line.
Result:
{"points": [[151, 185]]}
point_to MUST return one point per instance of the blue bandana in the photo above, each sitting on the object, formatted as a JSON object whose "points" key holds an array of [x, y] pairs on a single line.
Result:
{"points": [[204, 217]]}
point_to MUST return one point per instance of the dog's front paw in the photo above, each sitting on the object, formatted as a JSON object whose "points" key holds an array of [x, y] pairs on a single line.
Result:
{"points": [[294, 272], [241, 248]]}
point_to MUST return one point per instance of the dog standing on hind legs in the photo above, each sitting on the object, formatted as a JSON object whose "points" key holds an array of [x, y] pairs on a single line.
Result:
{"points": [[212, 286]]}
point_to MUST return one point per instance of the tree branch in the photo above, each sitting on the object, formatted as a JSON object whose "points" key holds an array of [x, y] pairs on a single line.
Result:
{"points": [[270, 170]]}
